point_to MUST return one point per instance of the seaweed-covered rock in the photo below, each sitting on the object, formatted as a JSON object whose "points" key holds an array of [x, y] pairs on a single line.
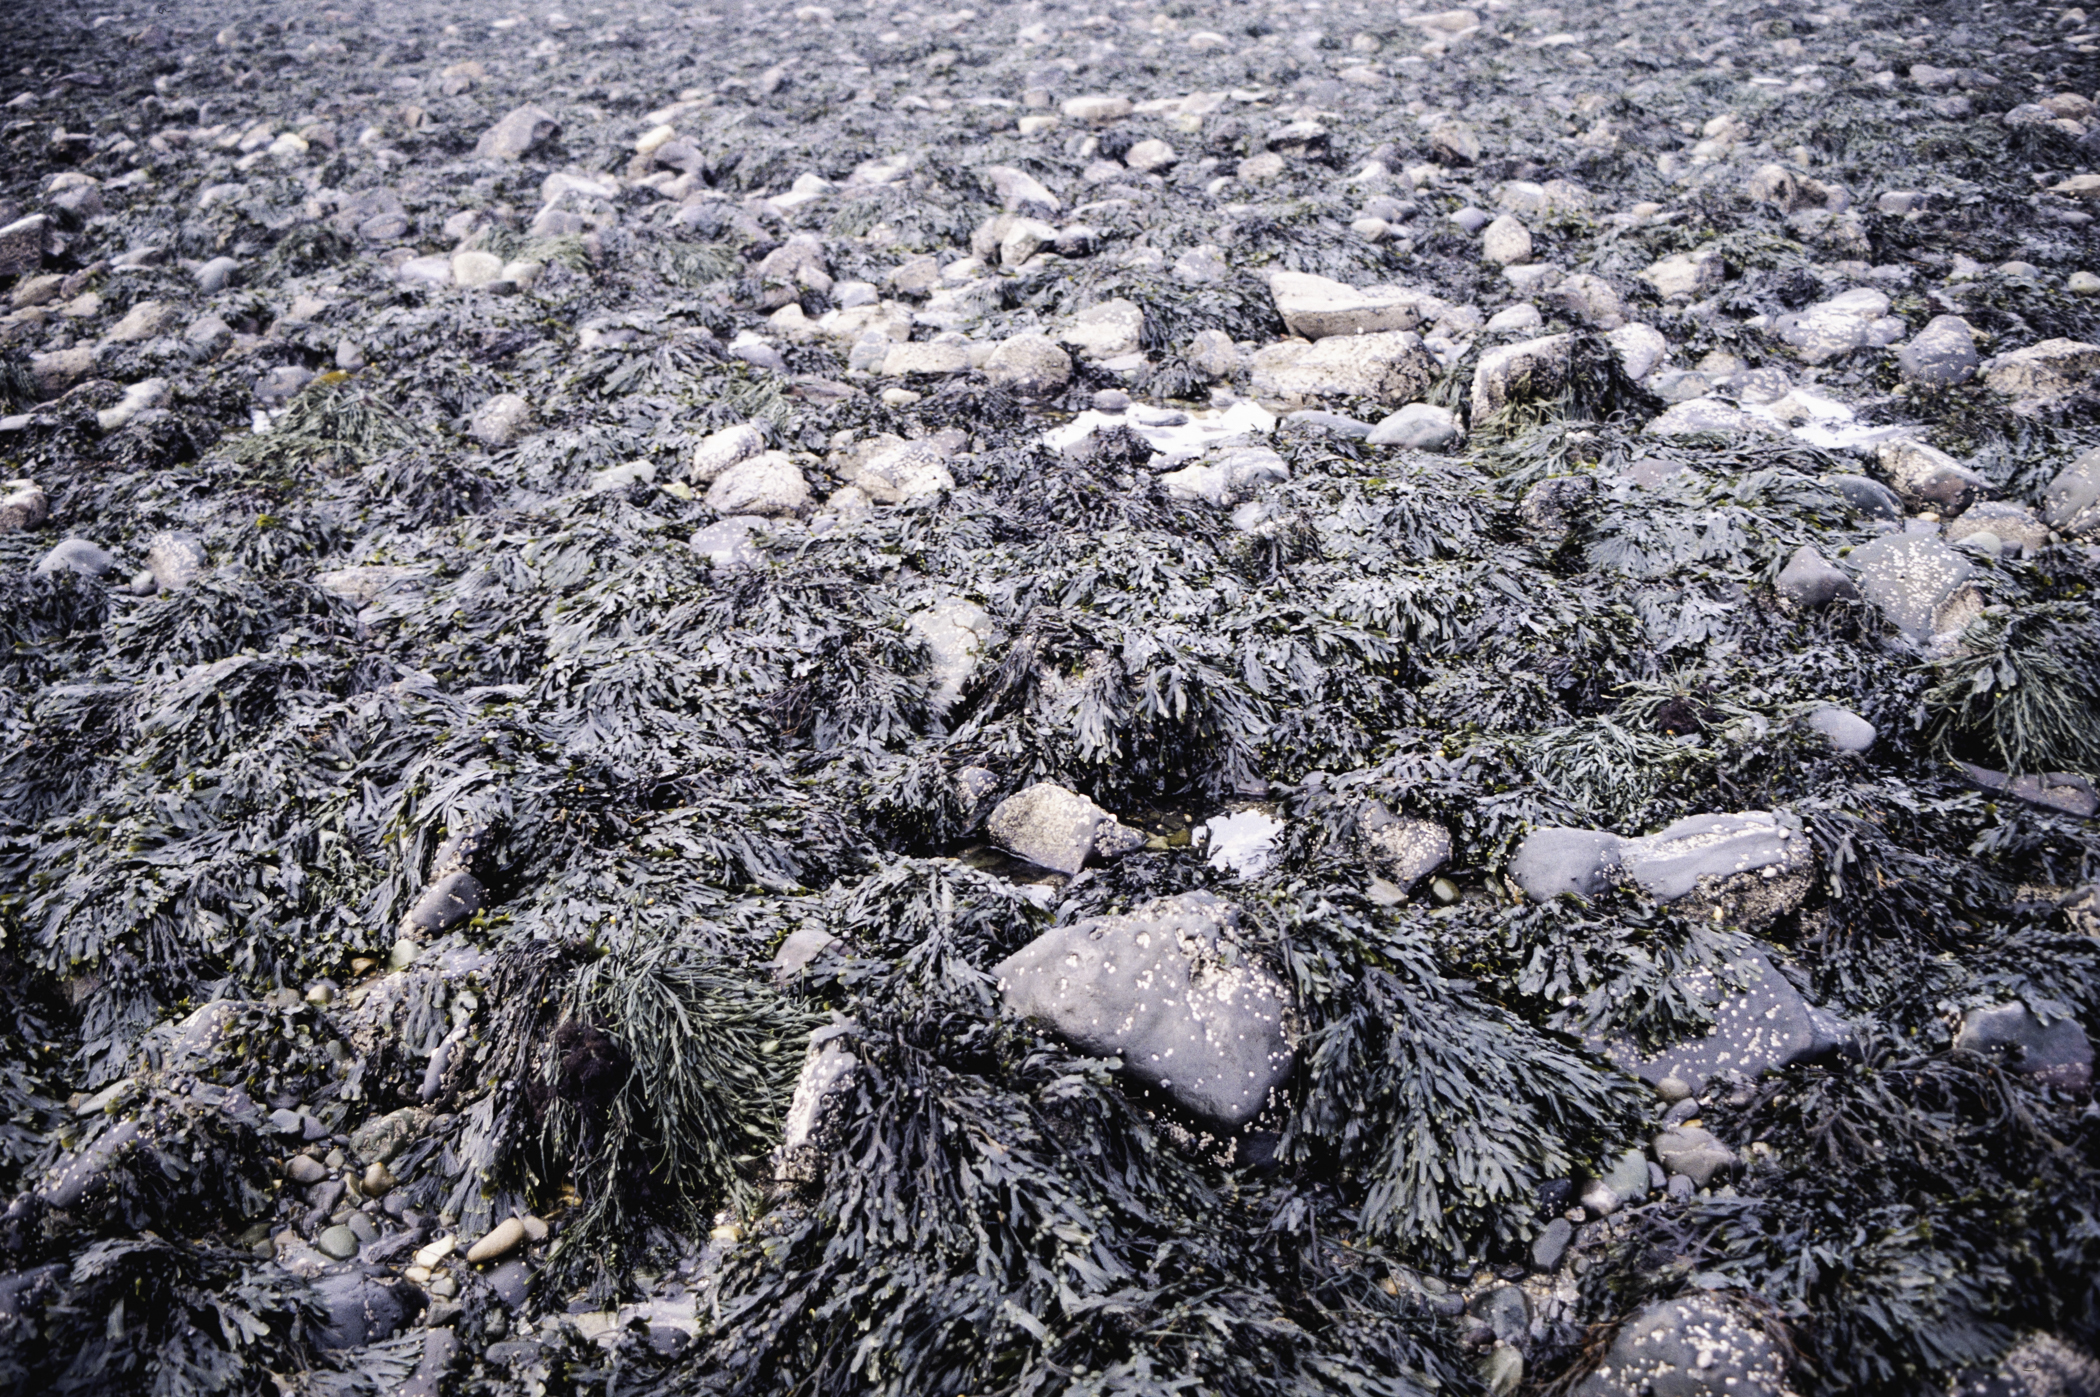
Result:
{"points": [[1760, 1022], [498, 422], [1930, 479], [1810, 580], [1942, 355], [1520, 372], [955, 632], [2043, 373], [2071, 504], [1403, 850], [1167, 989], [175, 560], [2055, 1051], [1700, 1345], [817, 1111], [2039, 1365], [363, 1306]]}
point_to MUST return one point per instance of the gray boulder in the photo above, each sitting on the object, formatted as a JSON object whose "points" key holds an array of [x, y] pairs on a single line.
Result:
{"points": [[769, 484], [1748, 866], [1418, 427], [1031, 365], [1519, 372], [1765, 1024], [1389, 366], [2056, 1052], [23, 507], [1694, 1152], [363, 1307], [1921, 585], [1168, 989], [724, 449], [2040, 1365], [1694, 1346], [1317, 307], [76, 555], [1332, 423], [175, 560], [446, 903], [2012, 529], [1056, 828], [955, 631], [498, 422], [1811, 581], [2071, 504], [1403, 850], [727, 542], [818, 1108], [1941, 355], [2066, 791], [1867, 495], [1552, 507], [1556, 860], [1927, 478], [517, 134], [1845, 730]]}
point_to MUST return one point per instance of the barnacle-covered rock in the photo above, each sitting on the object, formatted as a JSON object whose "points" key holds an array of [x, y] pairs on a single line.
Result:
{"points": [[1748, 868], [1049, 825], [1761, 1022], [2071, 504], [1168, 989], [1920, 585], [1700, 1345]]}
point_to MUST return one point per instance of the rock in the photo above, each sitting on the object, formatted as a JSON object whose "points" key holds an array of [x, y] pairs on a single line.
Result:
{"points": [[2065, 791], [1316, 306], [1389, 367], [1516, 320], [1233, 476], [175, 560], [23, 507], [1169, 990], [1941, 355], [1096, 108], [2071, 503], [1926, 478], [1031, 365], [383, 1137], [362, 1307], [2043, 373], [1594, 301], [76, 555], [53, 372], [1109, 330], [1418, 427], [217, 274], [498, 422], [2055, 1051], [1699, 1345], [1455, 143], [1333, 423], [1920, 584], [1867, 495], [23, 244], [2020, 533], [1810, 580], [337, 1241], [1404, 851], [476, 268], [432, 1377], [903, 471], [768, 485], [926, 357], [955, 631], [1852, 320], [1765, 1025], [1055, 828], [1022, 192], [1506, 242], [1554, 506], [500, 1241], [304, 1170], [1151, 155], [1521, 372], [1551, 1244], [817, 1108], [444, 904], [1686, 276], [1748, 866], [1846, 730], [1693, 1152], [802, 946], [1701, 416], [518, 134]]}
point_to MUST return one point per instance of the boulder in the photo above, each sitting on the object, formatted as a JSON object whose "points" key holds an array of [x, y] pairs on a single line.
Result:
{"points": [[1403, 850], [1749, 867], [2064, 791], [902, 471], [723, 449], [1698, 1345], [175, 560], [1556, 860], [2040, 1365], [2055, 1051], [1811, 581], [1056, 828], [1553, 507], [768, 484], [363, 1307], [1927, 478], [1694, 1152], [1845, 730], [1699, 416], [1032, 365], [1506, 241], [1231, 476], [1851, 320], [1941, 355], [24, 506], [519, 132], [2071, 504], [1867, 495], [2043, 373], [1418, 427], [1022, 192], [1921, 585], [1316, 306], [818, 1108], [1110, 330], [955, 632], [76, 555], [447, 902], [1763, 1025], [1686, 276], [498, 422], [1641, 348], [926, 357], [726, 543], [1169, 989], [1389, 366], [1514, 373], [2012, 529]]}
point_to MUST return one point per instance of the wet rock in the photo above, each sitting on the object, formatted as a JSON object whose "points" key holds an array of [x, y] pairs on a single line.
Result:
{"points": [[1686, 276], [1551, 1244], [498, 1242], [1316, 307], [1389, 367], [338, 1242], [799, 951], [1926, 478], [55, 371], [2071, 504], [521, 131], [726, 543], [1700, 416], [1845, 730], [1232, 476], [724, 449], [1920, 584], [432, 1377], [1506, 241], [1762, 1025], [1520, 372], [363, 1307], [1552, 508], [1032, 365], [1812, 581], [1855, 319], [1867, 495], [24, 243], [1332, 423], [217, 274], [2064, 791], [1693, 1152], [2040, 1365], [304, 1169], [1695, 1346], [768, 485], [2017, 532], [1053, 827], [1169, 990], [446, 903], [818, 1106], [2055, 1051], [1418, 427], [903, 471], [1941, 355], [499, 422], [1749, 866], [1403, 850], [77, 555]]}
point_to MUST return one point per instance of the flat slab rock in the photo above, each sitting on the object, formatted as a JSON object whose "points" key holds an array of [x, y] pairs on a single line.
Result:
{"points": [[1749, 866], [1166, 989], [1766, 1024]]}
